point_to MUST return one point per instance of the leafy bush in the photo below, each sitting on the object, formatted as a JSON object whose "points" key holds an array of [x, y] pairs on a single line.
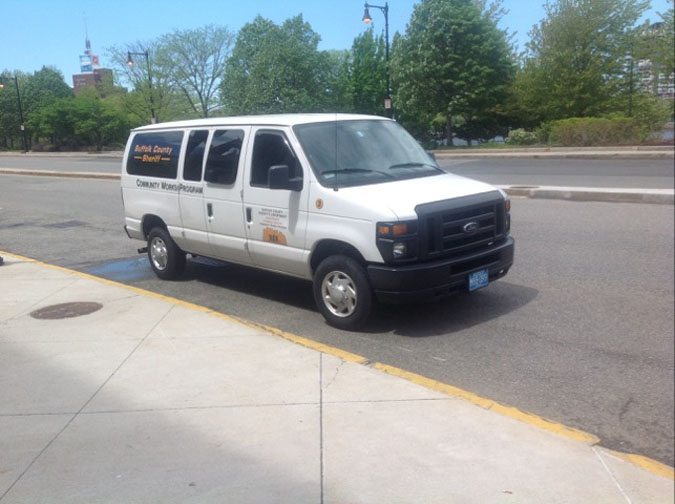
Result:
{"points": [[543, 132], [590, 131], [649, 116], [522, 137], [651, 113]]}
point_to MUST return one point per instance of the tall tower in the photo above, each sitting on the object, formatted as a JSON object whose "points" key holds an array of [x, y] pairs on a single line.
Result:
{"points": [[91, 74]]}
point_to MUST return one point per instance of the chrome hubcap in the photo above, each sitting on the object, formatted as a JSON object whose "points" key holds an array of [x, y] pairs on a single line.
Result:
{"points": [[158, 253], [339, 293]]}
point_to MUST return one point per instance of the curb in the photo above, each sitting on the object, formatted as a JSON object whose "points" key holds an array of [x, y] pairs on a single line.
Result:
{"points": [[598, 194], [651, 465], [50, 173], [553, 155], [93, 155], [636, 152]]}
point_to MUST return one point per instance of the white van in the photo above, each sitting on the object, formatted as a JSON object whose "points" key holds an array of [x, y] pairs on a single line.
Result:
{"points": [[350, 202]]}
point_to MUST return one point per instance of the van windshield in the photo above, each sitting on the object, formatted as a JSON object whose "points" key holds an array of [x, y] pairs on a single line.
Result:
{"points": [[360, 152]]}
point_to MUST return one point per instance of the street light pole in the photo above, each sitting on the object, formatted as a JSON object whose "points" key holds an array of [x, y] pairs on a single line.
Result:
{"points": [[18, 99], [367, 19], [130, 62]]}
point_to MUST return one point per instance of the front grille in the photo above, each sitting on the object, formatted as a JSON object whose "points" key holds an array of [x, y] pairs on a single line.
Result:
{"points": [[443, 225]]}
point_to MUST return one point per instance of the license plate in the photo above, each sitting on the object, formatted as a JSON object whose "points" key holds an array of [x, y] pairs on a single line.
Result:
{"points": [[478, 279]]}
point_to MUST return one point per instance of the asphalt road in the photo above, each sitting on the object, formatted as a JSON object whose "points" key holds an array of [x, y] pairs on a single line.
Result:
{"points": [[74, 163], [580, 331], [616, 172]]}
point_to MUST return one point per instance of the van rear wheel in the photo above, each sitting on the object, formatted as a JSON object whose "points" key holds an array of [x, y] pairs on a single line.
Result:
{"points": [[342, 292], [166, 258]]}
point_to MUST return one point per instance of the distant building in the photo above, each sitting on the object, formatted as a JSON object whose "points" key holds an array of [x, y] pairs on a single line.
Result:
{"points": [[651, 77], [92, 75], [653, 81]]}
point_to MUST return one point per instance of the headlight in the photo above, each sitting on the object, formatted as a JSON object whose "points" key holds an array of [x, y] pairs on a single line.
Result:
{"points": [[397, 241], [399, 250]]}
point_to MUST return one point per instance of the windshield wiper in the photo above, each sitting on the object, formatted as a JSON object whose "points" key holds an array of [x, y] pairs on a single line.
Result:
{"points": [[412, 165], [354, 170]]}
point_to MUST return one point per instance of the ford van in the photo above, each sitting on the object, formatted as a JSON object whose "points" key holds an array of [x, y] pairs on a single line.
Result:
{"points": [[352, 203]]}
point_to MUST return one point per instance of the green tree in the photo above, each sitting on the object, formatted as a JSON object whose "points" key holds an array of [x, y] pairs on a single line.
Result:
{"points": [[40, 90], [196, 63], [661, 42], [655, 46], [336, 81], [55, 122], [44, 87], [453, 60], [10, 132], [85, 120], [276, 69], [161, 97], [368, 73], [576, 64]]}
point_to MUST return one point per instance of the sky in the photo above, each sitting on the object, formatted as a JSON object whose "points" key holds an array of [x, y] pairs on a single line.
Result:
{"points": [[34, 33]]}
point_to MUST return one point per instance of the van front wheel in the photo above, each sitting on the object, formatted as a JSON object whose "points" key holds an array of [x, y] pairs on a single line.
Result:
{"points": [[166, 258], [342, 292]]}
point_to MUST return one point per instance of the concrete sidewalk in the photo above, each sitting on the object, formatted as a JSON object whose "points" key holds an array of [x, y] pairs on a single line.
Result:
{"points": [[150, 399]]}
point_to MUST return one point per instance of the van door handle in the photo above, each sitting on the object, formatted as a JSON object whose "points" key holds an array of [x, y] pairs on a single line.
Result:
{"points": [[249, 217], [209, 210]]}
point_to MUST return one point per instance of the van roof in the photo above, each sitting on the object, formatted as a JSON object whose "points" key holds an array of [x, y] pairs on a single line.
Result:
{"points": [[260, 120]]}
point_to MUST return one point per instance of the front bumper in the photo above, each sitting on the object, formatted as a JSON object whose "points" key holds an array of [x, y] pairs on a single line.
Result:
{"points": [[425, 281]]}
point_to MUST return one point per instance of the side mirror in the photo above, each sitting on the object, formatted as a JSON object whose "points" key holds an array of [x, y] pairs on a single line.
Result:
{"points": [[432, 155], [278, 178]]}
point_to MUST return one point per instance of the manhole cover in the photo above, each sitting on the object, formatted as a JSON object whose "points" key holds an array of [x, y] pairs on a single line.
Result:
{"points": [[66, 310]]}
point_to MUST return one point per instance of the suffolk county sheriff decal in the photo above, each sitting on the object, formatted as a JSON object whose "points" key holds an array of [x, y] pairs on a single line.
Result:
{"points": [[152, 153]]}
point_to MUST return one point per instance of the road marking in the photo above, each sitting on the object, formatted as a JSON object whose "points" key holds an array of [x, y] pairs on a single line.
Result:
{"points": [[611, 475], [559, 429]]}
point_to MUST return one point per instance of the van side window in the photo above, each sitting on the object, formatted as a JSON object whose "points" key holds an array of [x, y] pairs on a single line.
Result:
{"points": [[194, 155], [155, 154], [271, 148], [223, 158]]}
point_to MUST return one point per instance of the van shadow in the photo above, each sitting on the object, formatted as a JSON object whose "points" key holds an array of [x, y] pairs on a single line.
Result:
{"points": [[451, 314], [251, 281]]}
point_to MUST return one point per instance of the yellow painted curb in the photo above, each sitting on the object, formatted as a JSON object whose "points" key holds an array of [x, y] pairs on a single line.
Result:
{"points": [[315, 345], [489, 404], [650, 465]]}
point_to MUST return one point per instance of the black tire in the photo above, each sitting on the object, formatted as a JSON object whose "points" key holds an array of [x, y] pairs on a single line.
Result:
{"points": [[342, 292], [166, 258]]}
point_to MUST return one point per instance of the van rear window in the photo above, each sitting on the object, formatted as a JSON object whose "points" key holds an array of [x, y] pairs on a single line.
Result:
{"points": [[155, 154]]}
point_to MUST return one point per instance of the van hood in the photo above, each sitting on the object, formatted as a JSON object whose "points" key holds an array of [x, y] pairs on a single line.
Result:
{"points": [[403, 196]]}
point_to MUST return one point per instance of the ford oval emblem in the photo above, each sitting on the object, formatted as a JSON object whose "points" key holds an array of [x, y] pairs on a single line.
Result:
{"points": [[471, 227]]}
